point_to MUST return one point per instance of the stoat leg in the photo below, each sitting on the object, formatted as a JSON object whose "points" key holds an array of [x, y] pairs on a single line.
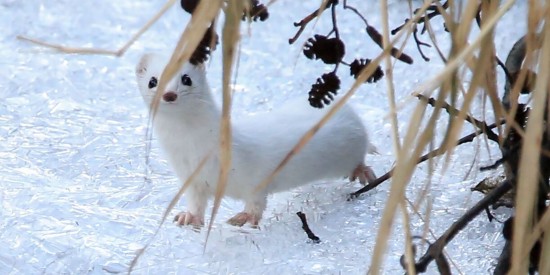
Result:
{"points": [[252, 214], [196, 205], [364, 173]]}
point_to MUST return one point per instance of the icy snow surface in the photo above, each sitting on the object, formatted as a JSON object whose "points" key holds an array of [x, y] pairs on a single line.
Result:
{"points": [[74, 195]]}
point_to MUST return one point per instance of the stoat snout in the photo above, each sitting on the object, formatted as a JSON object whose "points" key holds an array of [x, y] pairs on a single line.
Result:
{"points": [[170, 97]]}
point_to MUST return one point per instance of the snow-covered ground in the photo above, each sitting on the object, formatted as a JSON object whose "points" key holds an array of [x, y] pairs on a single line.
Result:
{"points": [[74, 194]]}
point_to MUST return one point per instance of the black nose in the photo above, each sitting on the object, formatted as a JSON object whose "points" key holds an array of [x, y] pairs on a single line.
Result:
{"points": [[170, 97]]}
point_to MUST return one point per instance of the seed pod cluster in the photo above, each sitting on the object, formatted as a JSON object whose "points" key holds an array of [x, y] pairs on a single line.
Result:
{"points": [[257, 11], [205, 47], [323, 91], [189, 5], [209, 41], [329, 50], [358, 65]]}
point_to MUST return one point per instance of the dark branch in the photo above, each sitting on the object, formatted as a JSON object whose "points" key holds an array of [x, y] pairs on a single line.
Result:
{"points": [[308, 231], [454, 112], [334, 24], [436, 249], [303, 23], [420, 43], [346, 7], [422, 19]]}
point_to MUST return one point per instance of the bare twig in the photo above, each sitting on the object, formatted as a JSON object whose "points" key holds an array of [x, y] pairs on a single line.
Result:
{"points": [[334, 23], [118, 53], [347, 7], [303, 23], [422, 19], [171, 205], [435, 249], [396, 53], [420, 43], [454, 112], [306, 228]]}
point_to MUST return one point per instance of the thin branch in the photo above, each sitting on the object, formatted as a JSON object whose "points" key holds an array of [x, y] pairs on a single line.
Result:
{"points": [[422, 19], [303, 23], [436, 248], [306, 228], [117, 53], [454, 112], [346, 7], [334, 24], [420, 43]]}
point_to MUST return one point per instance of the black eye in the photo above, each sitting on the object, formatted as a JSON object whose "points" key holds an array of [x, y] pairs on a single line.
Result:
{"points": [[153, 82], [186, 80]]}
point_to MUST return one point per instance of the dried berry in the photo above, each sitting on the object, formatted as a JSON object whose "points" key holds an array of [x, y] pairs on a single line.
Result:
{"points": [[358, 65], [323, 91], [329, 50], [257, 11], [205, 47], [189, 5]]}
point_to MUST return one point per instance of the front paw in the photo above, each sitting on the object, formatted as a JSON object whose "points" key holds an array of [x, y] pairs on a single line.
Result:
{"points": [[186, 218], [363, 173], [241, 218]]}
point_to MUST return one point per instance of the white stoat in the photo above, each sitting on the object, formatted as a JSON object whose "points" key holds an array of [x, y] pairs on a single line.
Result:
{"points": [[187, 126]]}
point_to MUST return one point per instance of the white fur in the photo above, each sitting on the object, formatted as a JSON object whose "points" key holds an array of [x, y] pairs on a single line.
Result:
{"points": [[188, 128]]}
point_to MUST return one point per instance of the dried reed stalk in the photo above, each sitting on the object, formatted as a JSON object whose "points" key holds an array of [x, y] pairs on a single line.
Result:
{"points": [[414, 143], [231, 35], [119, 52], [528, 174], [170, 206]]}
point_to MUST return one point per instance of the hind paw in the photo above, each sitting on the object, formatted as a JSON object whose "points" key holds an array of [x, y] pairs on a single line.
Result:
{"points": [[364, 173], [242, 218], [186, 218]]}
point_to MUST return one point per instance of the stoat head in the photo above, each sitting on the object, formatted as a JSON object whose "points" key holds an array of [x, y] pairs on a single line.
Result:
{"points": [[186, 89]]}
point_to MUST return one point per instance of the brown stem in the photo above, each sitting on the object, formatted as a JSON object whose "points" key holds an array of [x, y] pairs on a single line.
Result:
{"points": [[306, 228]]}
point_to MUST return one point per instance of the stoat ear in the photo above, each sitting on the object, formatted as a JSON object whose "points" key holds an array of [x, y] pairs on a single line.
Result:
{"points": [[141, 67]]}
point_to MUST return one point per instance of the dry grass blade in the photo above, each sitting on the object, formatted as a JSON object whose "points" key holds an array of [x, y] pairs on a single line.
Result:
{"points": [[401, 176], [189, 39], [468, 50], [119, 52], [389, 77], [188, 42], [527, 185], [488, 8], [171, 205], [409, 252], [483, 70], [542, 226], [67, 49], [544, 264], [407, 156], [231, 33], [482, 67]]}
